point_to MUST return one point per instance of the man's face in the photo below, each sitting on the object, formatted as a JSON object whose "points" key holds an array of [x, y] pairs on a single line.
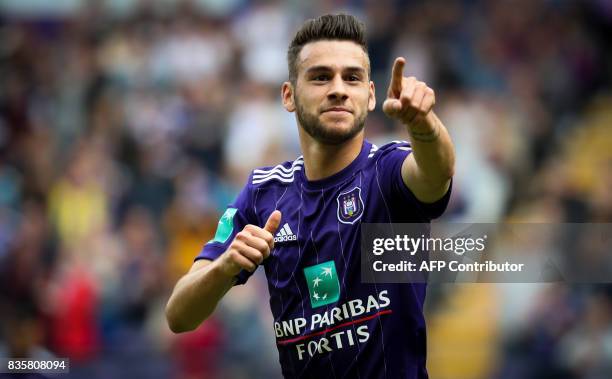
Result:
{"points": [[333, 92]]}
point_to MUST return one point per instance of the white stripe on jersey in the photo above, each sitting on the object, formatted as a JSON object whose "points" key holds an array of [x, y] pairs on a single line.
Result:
{"points": [[372, 151], [280, 172], [374, 148], [277, 172], [279, 178], [280, 167]]}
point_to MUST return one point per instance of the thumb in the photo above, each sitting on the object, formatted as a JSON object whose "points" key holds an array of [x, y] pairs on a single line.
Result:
{"points": [[273, 222], [392, 107]]}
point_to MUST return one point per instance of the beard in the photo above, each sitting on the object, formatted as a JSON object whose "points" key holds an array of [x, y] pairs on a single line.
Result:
{"points": [[328, 136]]}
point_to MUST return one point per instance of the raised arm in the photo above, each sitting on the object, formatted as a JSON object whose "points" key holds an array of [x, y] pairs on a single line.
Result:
{"points": [[427, 172], [197, 294]]}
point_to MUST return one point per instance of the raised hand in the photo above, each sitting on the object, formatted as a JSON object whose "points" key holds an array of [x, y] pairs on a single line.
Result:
{"points": [[250, 246], [408, 100]]}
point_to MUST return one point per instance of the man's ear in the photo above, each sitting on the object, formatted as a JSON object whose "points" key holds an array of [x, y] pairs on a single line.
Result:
{"points": [[371, 97], [287, 96]]}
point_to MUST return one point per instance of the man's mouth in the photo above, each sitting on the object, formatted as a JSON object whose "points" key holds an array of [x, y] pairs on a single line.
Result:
{"points": [[337, 109]]}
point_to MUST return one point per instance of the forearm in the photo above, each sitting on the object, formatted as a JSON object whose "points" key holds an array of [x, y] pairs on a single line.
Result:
{"points": [[195, 297], [428, 170], [433, 151]]}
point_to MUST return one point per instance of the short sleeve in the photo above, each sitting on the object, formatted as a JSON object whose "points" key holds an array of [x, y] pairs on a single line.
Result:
{"points": [[237, 215], [403, 205]]}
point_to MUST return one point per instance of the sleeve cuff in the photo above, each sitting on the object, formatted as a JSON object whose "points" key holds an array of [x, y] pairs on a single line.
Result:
{"points": [[212, 252]]}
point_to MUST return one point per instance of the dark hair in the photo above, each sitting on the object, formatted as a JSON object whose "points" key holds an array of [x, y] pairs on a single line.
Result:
{"points": [[341, 27]]}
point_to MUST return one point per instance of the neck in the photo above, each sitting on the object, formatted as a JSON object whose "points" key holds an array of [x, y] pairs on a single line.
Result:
{"points": [[322, 161]]}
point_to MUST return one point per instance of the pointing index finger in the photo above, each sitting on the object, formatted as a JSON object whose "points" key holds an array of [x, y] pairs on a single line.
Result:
{"points": [[396, 75]]}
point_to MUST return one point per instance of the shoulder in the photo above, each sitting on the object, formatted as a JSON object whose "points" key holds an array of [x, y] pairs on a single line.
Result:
{"points": [[398, 148], [280, 175]]}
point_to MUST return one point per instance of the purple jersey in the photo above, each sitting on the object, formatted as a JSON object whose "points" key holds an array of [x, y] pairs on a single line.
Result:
{"points": [[327, 323]]}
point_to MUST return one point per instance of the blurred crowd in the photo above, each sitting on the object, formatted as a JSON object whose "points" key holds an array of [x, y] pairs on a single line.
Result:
{"points": [[126, 130]]}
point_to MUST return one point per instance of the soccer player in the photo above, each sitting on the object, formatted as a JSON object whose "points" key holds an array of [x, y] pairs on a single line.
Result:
{"points": [[301, 219]]}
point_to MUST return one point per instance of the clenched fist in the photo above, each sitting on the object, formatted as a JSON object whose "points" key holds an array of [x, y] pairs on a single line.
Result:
{"points": [[250, 247], [408, 100]]}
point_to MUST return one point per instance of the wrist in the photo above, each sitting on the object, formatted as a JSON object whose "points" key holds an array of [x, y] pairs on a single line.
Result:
{"points": [[222, 268], [424, 129]]}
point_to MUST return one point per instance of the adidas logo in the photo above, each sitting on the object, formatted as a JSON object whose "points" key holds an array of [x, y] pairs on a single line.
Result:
{"points": [[285, 234]]}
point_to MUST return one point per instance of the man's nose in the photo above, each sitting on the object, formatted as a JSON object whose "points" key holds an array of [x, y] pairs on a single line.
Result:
{"points": [[337, 91]]}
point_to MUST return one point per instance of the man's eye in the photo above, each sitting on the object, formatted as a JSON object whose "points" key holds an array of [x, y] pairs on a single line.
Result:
{"points": [[321, 78], [354, 78]]}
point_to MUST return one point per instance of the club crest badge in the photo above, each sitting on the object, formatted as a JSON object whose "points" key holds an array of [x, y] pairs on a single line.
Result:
{"points": [[350, 206]]}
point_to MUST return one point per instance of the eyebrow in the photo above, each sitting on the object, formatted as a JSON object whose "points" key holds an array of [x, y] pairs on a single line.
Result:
{"points": [[328, 68]]}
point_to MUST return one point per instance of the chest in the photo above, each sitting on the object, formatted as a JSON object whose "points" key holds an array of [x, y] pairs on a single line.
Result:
{"points": [[317, 226], [316, 219]]}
